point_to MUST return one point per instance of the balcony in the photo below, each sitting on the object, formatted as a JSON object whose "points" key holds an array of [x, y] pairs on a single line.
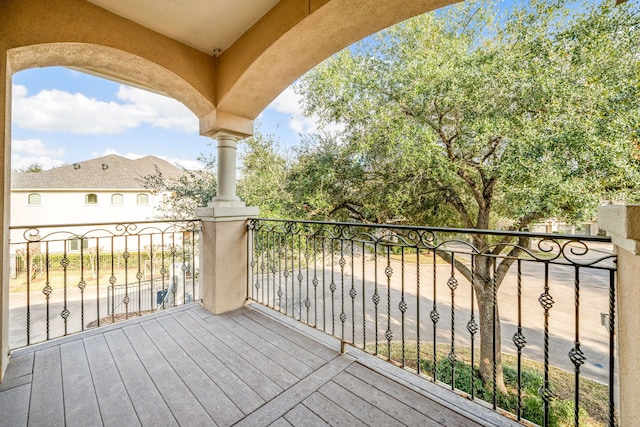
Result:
{"points": [[331, 304], [185, 366]]}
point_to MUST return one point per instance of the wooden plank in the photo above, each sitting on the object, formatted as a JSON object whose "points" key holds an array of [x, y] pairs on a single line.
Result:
{"points": [[145, 397], [19, 366], [431, 409], [257, 380], [80, 401], [268, 350], [397, 409], [184, 406], [238, 391], [318, 348], [14, 405], [280, 422], [331, 412], [268, 367], [217, 404], [46, 389], [284, 342], [358, 407], [291, 397], [300, 415], [113, 400]]}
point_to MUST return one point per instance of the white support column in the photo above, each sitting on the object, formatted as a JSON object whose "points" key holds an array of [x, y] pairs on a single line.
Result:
{"points": [[622, 223], [223, 242], [227, 171]]}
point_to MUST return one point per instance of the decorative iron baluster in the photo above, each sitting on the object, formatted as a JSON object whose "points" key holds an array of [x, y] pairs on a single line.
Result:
{"points": [[97, 280], [274, 257], [418, 311], [546, 301], [353, 294], [29, 269], [64, 262], [494, 315], [435, 316], [139, 277], [332, 288], [519, 339], [293, 270], [47, 287], [364, 293], [151, 278], [300, 277], [125, 256], [261, 284], [81, 285], [266, 283], [163, 271], [324, 282], [342, 262], [388, 271], [285, 273], [280, 253], [315, 282], [472, 328], [112, 282], [576, 355], [376, 297], [307, 255], [612, 323], [402, 305], [452, 283]]}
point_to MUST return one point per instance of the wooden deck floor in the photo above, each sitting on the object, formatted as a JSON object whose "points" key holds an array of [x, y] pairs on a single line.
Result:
{"points": [[188, 367]]}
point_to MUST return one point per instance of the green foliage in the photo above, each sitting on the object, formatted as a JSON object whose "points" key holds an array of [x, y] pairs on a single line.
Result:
{"points": [[194, 188], [31, 168], [263, 176], [478, 114], [561, 411]]}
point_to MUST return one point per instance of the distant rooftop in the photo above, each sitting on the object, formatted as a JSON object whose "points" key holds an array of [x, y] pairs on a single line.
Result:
{"points": [[107, 172]]}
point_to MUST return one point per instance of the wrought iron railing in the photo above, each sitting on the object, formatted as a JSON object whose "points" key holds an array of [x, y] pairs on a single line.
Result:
{"points": [[67, 278], [541, 305]]}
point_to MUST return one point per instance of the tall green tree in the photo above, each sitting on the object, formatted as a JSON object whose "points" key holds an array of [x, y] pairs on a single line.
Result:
{"points": [[263, 176], [478, 114]]}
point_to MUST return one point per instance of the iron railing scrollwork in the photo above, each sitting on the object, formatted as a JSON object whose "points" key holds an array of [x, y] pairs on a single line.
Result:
{"points": [[92, 274], [429, 299]]}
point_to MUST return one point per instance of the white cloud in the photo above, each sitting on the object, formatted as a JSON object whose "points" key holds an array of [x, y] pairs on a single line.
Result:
{"points": [[59, 111], [290, 103], [167, 112], [34, 147], [185, 163], [25, 152]]}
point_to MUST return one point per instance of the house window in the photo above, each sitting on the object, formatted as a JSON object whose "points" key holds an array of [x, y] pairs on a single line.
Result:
{"points": [[117, 199], [91, 199], [34, 199], [74, 244], [143, 199]]}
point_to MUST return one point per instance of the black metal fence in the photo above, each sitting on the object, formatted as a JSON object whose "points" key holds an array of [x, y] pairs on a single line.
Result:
{"points": [[522, 321], [67, 278]]}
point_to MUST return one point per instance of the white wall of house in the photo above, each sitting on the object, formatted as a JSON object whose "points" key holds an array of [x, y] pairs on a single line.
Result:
{"points": [[72, 207]]}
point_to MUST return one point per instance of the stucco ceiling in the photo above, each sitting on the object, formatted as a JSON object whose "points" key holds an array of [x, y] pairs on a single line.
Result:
{"points": [[203, 24]]}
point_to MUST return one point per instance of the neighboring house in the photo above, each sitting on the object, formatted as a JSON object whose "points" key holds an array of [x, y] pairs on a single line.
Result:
{"points": [[106, 189]]}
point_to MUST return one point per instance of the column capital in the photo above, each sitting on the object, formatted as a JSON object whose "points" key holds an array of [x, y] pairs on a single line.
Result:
{"points": [[622, 223]]}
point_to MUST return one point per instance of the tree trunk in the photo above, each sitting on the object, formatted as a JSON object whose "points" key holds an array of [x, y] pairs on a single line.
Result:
{"points": [[488, 331]]}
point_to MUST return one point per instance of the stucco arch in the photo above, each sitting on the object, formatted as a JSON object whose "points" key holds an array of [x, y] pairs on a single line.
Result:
{"points": [[111, 63], [294, 37]]}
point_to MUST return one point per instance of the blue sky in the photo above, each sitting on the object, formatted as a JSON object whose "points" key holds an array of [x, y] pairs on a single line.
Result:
{"points": [[63, 116]]}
